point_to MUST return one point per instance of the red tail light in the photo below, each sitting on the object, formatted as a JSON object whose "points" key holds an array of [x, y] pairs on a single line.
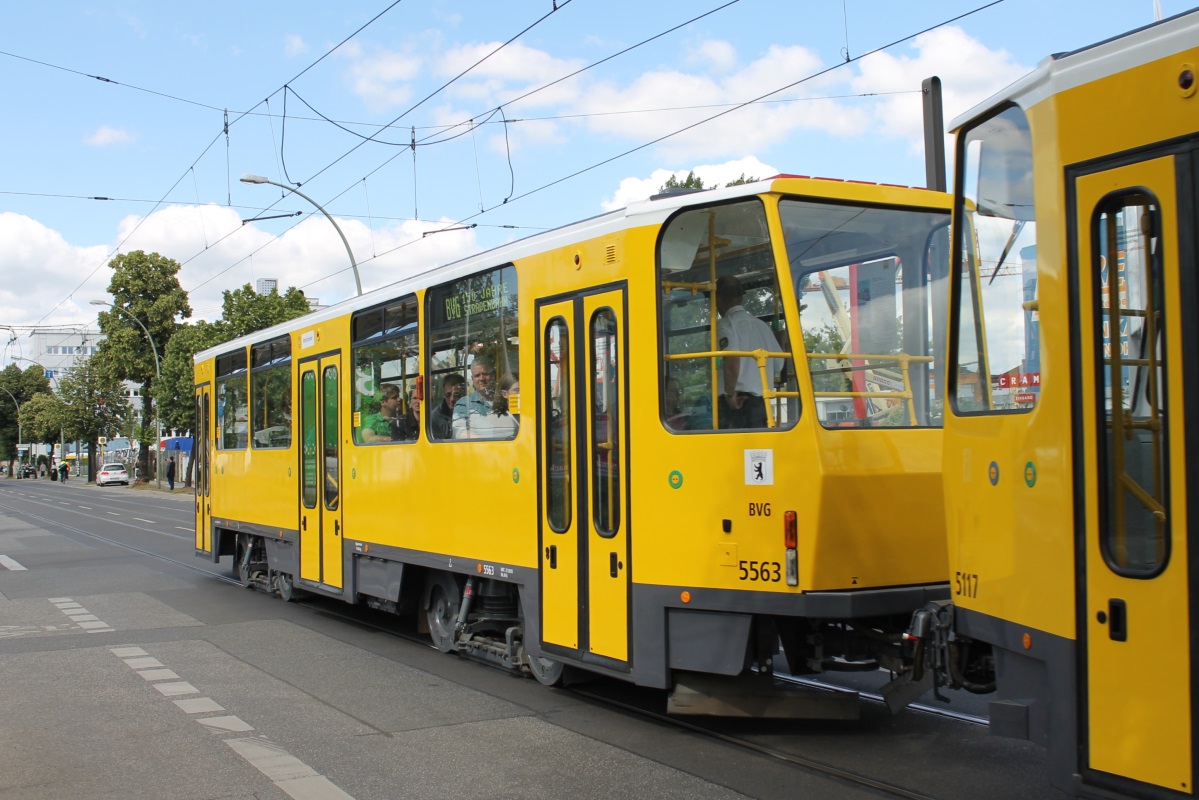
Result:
{"points": [[790, 530]]}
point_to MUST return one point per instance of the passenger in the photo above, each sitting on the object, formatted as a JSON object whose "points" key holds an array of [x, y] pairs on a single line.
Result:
{"points": [[673, 404], [383, 425], [410, 422], [740, 381], [441, 418], [478, 402], [498, 422]]}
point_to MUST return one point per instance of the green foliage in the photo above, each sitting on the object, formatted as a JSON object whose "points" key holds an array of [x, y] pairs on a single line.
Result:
{"points": [[42, 417], [92, 402], [17, 386], [826, 375], [175, 393], [693, 181], [245, 311]]}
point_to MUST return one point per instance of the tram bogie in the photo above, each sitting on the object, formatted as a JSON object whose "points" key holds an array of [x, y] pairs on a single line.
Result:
{"points": [[650, 444]]}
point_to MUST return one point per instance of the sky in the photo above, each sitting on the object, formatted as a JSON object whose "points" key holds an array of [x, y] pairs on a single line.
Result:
{"points": [[129, 124]]}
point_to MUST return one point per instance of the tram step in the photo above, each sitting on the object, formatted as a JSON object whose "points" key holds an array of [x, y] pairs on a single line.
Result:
{"points": [[757, 697]]}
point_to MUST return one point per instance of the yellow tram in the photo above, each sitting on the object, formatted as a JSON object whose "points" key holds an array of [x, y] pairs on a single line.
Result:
{"points": [[568, 451], [1074, 361]]}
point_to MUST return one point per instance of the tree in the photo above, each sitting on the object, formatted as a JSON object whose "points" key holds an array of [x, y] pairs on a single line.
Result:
{"points": [[246, 311], [144, 288], [17, 387], [42, 418], [693, 181], [92, 400]]}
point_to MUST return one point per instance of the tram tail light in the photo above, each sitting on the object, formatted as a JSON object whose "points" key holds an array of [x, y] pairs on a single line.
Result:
{"points": [[791, 541]]}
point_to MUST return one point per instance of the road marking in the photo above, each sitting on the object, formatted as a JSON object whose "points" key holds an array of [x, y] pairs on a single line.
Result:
{"points": [[228, 724], [158, 674], [189, 530], [115, 514], [142, 662], [139, 519], [178, 687], [11, 564], [289, 773], [82, 618], [198, 705]]}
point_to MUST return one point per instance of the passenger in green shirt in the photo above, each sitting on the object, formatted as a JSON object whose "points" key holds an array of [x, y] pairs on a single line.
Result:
{"points": [[382, 425]]}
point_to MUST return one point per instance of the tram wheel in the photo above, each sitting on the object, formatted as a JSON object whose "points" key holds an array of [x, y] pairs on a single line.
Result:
{"points": [[547, 671], [283, 585], [442, 616]]}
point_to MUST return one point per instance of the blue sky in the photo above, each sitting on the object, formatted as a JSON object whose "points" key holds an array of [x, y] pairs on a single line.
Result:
{"points": [[154, 138]]}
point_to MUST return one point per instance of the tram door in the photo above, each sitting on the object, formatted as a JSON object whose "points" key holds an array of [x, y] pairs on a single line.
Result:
{"points": [[320, 472], [1137, 357], [200, 444], [582, 358]]}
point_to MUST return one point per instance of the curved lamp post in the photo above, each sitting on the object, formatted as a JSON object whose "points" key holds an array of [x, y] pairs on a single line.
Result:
{"points": [[157, 378], [18, 405], [249, 178]]}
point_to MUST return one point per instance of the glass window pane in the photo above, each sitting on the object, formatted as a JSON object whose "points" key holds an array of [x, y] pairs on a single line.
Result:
{"points": [[558, 377], [308, 473], [997, 340], [605, 421], [720, 291], [1134, 415], [473, 334], [870, 286], [329, 419], [270, 394]]}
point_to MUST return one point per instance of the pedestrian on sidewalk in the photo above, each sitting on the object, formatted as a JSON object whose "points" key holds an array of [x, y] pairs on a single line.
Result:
{"points": [[171, 474]]}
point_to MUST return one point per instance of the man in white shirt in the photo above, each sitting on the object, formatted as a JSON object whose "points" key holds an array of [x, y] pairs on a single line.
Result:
{"points": [[740, 381]]}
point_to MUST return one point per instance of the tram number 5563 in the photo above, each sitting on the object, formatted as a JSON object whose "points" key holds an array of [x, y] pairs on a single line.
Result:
{"points": [[965, 584], [769, 571]]}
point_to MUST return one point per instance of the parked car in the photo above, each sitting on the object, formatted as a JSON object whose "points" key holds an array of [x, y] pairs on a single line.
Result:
{"points": [[28, 471], [112, 473]]}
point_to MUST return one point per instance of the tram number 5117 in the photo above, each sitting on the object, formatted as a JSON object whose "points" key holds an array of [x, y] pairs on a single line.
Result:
{"points": [[965, 584], [769, 571]]}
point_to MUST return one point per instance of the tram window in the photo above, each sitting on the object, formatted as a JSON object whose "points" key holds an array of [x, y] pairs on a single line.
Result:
{"points": [[725, 246], [270, 394], [232, 396], [1133, 419], [996, 344], [868, 281], [386, 368], [472, 324], [605, 421], [558, 377]]}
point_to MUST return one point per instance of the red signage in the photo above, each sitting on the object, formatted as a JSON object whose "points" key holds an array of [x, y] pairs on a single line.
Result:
{"points": [[1026, 398], [1020, 379]]}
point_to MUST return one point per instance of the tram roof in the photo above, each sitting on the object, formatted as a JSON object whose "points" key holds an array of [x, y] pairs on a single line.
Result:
{"points": [[1064, 71], [652, 211]]}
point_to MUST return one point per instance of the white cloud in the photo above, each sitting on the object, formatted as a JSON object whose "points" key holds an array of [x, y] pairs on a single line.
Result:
{"points": [[106, 135], [632, 190], [381, 80], [295, 45], [714, 54]]}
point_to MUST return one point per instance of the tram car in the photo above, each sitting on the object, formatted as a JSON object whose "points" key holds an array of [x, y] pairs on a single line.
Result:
{"points": [[1074, 368], [649, 445]]}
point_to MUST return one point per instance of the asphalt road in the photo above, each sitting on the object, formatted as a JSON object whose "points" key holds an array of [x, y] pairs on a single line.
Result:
{"points": [[131, 669]]}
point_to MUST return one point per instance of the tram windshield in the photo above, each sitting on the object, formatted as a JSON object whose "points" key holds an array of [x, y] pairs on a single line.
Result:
{"points": [[996, 343], [870, 284]]}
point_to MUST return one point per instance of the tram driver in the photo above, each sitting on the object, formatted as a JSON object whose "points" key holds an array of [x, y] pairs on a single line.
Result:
{"points": [[740, 380]]}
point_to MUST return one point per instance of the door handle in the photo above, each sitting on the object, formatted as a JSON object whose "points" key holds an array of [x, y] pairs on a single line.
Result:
{"points": [[551, 555], [1117, 611], [337, 527], [614, 566], [303, 523]]}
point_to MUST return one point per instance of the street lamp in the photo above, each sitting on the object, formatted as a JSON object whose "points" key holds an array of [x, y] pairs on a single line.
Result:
{"points": [[249, 178], [157, 379], [18, 405]]}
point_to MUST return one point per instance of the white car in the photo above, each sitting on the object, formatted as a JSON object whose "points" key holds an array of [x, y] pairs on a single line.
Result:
{"points": [[112, 473]]}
